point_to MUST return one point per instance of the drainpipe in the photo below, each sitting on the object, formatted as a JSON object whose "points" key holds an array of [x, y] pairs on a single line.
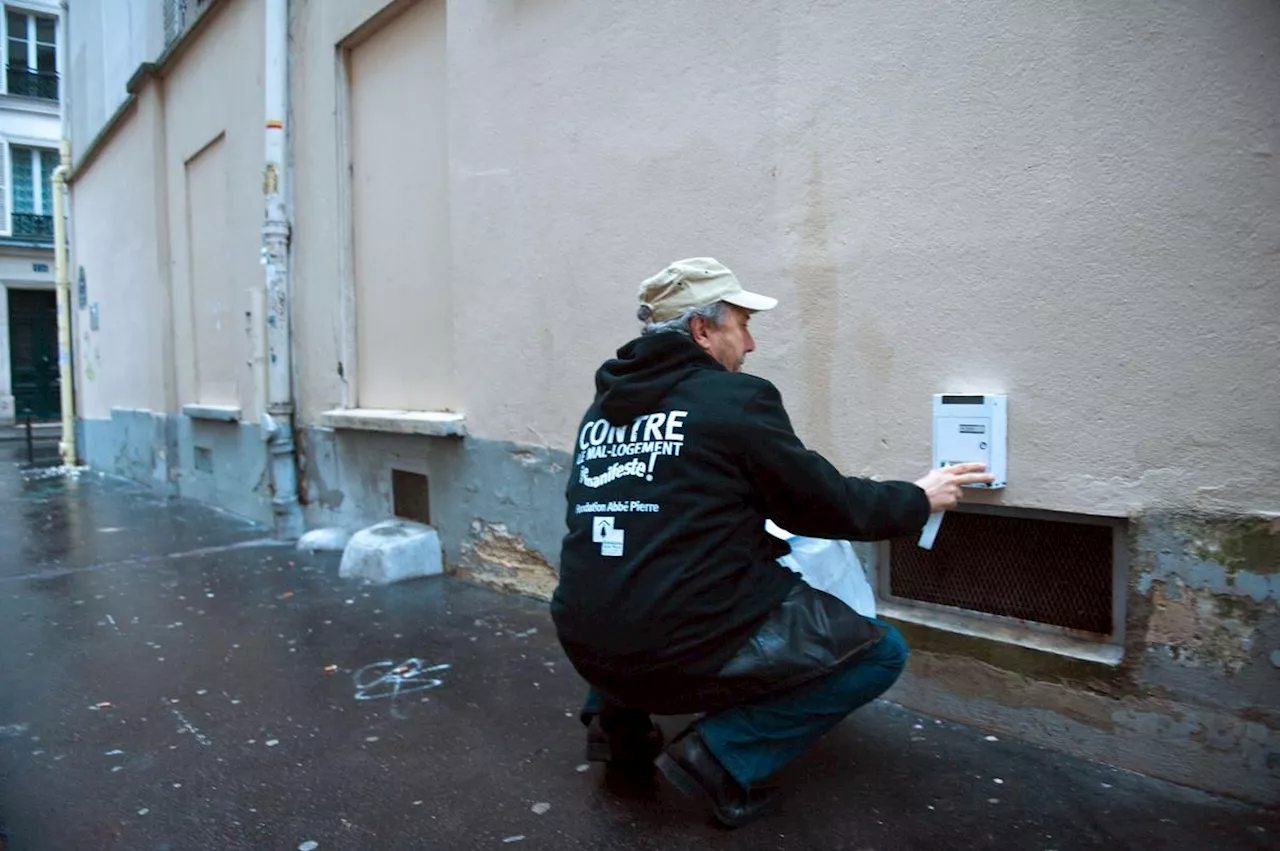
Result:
{"points": [[277, 421], [67, 446]]}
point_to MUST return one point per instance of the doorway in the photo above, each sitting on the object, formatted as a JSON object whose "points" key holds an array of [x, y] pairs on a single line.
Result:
{"points": [[33, 354]]}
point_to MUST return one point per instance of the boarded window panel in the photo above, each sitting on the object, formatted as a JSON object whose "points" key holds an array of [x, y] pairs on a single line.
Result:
{"points": [[218, 333], [400, 214]]}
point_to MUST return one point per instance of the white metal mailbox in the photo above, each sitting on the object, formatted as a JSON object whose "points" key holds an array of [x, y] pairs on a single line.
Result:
{"points": [[971, 427]]}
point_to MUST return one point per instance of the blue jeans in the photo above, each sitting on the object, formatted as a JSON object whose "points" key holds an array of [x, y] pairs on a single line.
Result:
{"points": [[755, 740]]}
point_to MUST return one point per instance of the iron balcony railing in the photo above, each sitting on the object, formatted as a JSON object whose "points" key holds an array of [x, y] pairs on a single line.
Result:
{"points": [[32, 84], [180, 14], [32, 226]]}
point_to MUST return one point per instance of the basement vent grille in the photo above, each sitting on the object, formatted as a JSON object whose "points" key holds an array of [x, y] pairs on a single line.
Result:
{"points": [[411, 495], [1047, 571]]}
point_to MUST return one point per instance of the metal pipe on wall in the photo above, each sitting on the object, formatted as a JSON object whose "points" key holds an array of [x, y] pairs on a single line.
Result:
{"points": [[62, 280], [277, 420]]}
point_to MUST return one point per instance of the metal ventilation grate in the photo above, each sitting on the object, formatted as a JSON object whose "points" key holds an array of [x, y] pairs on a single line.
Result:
{"points": [[1047, 571]]}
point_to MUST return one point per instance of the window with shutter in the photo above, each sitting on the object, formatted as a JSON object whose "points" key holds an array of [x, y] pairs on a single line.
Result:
{"points": [[31, 197]]}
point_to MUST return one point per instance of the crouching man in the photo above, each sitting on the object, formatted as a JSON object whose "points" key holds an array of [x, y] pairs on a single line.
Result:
{"points": [[671, 600]]}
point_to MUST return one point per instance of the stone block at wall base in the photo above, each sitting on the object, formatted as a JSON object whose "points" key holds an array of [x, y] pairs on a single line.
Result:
{"points": [[392, 551]]}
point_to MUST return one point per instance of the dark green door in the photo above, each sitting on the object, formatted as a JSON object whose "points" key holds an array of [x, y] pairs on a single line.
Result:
{"points": [[33, 354]]}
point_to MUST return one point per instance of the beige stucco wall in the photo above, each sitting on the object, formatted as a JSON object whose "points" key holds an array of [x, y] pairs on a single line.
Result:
{"points": [[177, 325], [218, 309], [214, 93], [323, 380], [1071, 204], [127, 361], [400, 214]]}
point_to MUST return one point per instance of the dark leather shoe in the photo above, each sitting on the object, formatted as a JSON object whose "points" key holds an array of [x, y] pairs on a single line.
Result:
{"points": [[630, 749], [690, 767]]}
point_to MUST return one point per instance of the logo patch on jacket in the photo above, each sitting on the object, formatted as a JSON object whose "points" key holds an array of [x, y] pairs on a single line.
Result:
{"points": [[609, 538]]}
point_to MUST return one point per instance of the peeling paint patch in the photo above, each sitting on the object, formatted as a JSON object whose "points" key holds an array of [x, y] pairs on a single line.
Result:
{"points": [[524, 456], [537, 457], [494, 556], [312, 485], [1251, 544], [1239, 557], [1195, 627]]}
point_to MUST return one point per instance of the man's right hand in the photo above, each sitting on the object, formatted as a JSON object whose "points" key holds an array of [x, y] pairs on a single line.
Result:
{"points": [[943, 486]]}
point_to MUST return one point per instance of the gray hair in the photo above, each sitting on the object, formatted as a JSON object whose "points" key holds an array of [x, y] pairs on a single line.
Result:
{"points": [[713, 313]]}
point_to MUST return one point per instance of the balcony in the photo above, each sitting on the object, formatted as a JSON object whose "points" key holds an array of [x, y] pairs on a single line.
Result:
{"points": [[42, 85], [33, 227]]}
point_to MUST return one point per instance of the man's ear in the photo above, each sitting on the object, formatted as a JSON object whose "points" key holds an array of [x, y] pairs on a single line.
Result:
{"points": [[699, 329]]}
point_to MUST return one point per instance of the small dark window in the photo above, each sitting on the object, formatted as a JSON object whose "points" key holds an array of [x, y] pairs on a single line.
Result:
{"points": [[411, 496], [1049, 571], [204, 459]]}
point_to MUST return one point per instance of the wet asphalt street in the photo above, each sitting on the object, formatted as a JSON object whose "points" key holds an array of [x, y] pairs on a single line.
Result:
{"points": [[171, 678]]}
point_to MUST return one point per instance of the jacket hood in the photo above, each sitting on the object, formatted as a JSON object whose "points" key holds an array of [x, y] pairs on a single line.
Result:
{"points": [[645, 370]]}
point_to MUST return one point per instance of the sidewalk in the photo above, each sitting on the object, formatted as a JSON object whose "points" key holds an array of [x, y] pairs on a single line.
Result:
{"points": [[173, 679]]}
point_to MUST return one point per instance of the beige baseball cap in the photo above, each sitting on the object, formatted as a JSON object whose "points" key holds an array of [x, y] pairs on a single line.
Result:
{"points": [[695, 282]]}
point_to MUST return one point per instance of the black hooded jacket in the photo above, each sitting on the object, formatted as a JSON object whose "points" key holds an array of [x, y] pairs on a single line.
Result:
{"points": [[667, 566]]}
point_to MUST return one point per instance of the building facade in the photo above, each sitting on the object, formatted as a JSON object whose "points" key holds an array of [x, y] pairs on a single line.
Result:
{"points": [[1072, 205], [30, 132]]}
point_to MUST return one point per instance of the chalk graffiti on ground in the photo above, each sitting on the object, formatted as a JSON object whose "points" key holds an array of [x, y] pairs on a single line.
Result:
{"points": [[387, 679]]}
